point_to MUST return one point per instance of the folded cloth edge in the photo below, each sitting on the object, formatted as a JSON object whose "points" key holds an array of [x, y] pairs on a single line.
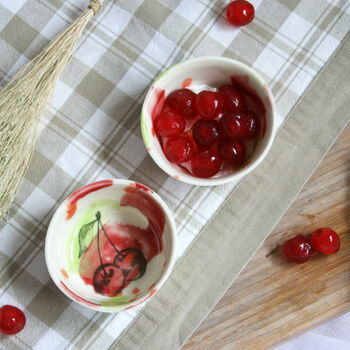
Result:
{"points": [[242, 223]]}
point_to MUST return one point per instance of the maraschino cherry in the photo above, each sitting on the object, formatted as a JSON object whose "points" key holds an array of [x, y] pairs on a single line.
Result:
{"points": [[209, 104], [241, 125], [205, 132], [12, 319], [297, 249], [182, 101], [325, 240], [232, 151], [240, 12], [178, 149], [232, 99], [169, 124], [206, 163]]}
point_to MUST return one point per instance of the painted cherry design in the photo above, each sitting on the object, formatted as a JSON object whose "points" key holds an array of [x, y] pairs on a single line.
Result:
{"points": [[109, 280], [12, 319], [129, 264]]}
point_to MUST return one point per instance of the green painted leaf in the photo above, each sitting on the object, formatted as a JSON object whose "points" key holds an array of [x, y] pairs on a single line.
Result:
{"points": [[86, 234]]}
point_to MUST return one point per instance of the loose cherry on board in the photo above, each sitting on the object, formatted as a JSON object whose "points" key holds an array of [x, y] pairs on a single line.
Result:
{"points": [[325, 240], [209, 104], [205, 132], [232, 99], [12, 319], [169, 124], [297, 249], [241, 125], [232, 151], [178, 149], [205, 163], [182, 101], [240, 12]]}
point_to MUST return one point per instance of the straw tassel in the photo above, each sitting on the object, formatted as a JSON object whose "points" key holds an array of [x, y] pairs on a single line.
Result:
{"points": [[23, 101]]}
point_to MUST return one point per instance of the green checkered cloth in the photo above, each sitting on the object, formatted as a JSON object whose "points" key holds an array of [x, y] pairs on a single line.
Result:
{"points": [[91, 129]]}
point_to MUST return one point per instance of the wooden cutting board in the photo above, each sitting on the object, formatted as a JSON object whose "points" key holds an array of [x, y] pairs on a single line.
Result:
{"points": [[272, 300]]}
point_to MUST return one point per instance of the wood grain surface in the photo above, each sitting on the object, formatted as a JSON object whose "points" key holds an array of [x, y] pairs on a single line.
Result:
{"points": [[272, 300]]}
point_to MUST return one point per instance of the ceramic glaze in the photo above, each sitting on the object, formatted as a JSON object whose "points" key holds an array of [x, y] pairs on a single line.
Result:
{"points": [[249, 101], [209, 73], [114, 248], [116, 242]]}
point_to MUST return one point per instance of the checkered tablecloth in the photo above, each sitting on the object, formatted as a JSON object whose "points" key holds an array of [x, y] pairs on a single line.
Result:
{"points": [[91, 129]]}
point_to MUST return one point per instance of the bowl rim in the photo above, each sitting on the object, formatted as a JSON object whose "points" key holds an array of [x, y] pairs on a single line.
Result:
{"points": [[165, 274], [189, 179]]}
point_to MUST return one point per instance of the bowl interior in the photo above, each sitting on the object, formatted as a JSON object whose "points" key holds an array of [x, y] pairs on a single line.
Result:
{"points": [[207, 73], [110, 244]]}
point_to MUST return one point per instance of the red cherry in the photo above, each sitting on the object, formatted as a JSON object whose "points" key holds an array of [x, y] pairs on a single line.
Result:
{"points": [[241, 125], [297, 249], [205, 132], [108, 280], [232, 152], [12, 319], [169, 124], [183, 102], [132, 262], [240, 12], [233, 100], [209, 104], [178, 149], [205, 163], [325, 240]]}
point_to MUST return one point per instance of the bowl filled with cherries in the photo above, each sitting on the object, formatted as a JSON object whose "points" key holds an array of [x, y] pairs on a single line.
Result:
{"points": [[208, 121]]}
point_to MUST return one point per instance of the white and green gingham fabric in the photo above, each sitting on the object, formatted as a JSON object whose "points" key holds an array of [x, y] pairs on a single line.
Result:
{"points": [[91, 130]]}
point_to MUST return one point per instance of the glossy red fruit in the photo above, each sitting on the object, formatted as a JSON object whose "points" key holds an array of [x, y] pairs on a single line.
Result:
{"points": [[232, 151], [12, 319], [205, 132], [325, 240], [240, 12], [206, 163], [182, 101], [241, 125], [209, 104], [297, 249], [108, 280], [178, 149], [169, 124], [232, 99]]}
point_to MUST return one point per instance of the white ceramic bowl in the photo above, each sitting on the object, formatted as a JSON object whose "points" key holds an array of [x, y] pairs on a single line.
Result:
{"points": [[204, 72], [111, 245]]}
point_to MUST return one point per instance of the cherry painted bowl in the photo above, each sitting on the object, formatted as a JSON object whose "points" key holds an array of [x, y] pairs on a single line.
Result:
{"points": [[111, 245], [201, 74]]}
